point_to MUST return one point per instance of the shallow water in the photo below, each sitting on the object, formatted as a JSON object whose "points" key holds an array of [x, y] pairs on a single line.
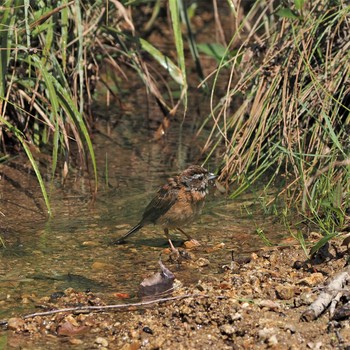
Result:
{"points": [[73, 249]]}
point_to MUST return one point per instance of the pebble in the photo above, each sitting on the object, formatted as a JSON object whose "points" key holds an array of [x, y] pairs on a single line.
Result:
{"points": [[254, 256], [147, 330], [100, 266], [72, 320], [227, 329], [314, 346], [245, 305], [190, 244], [265, 333], [306, 299], [285, 292], [271, 341], [15, 323], [201, 262], [313, 280], [290, 327], [269, 304], [298, 265], [235, 317], [90, 244], [75, 341], [101, 341]]}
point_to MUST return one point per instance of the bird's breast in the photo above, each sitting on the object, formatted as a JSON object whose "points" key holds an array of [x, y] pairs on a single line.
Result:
{"points": [[187, 207]]}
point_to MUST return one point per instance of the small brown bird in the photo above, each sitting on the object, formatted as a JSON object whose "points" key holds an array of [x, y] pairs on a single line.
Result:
{"points": [[177, 203]]}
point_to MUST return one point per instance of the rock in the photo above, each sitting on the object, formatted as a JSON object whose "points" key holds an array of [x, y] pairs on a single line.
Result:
{"points": [[313, 280], [298, 265], [285, 292], [290, 327], [225, 285], [227, 329], [147, 329], [25, 300], [216, 247], [314, 346], [90, 243], [15, 324], [245, 305], [254, 256], [235, 317], [201, 262], [269, 304], [75, 341], [101, 341], [69, 330], [191, 244], [72, 320], [100, 266], [132, 346], [265, 333], [272, 341]]}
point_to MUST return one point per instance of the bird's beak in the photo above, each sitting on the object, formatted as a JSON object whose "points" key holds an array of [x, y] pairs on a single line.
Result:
{"points": [[212, 176]]}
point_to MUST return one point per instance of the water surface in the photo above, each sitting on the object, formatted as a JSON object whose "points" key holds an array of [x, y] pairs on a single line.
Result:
{"points": [[73, 248]]}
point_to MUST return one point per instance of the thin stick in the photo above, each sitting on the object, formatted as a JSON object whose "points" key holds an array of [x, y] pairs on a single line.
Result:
{"points": [[113, 307], [325, 298]]}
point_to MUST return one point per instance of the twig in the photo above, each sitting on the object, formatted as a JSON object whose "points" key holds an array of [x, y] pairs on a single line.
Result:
{"points": [[82, 309], [326, 297], [334, 304]]}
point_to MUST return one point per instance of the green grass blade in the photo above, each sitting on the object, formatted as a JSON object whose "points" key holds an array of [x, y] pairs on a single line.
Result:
{"points": [[75, 116], [164, 61], [54, 101], [5, 19], [321, 243], [29, 154], [64, 34], [176, 23], [191, 39], [80, 60], [332, 133]]}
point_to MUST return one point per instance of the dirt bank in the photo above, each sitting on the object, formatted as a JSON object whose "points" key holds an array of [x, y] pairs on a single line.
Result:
{"points": [[254, 303]]}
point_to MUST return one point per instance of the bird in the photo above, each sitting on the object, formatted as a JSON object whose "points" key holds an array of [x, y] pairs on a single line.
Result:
{"points": [[177, 203]]}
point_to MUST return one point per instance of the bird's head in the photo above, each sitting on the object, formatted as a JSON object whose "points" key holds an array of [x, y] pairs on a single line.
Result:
{"points": [[196, 178]]}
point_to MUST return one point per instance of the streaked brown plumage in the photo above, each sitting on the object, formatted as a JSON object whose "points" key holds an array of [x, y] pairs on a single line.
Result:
{"points": [[177, 203]]}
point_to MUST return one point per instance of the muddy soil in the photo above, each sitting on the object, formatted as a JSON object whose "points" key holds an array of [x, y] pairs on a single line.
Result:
{"points": [[255, 302]]}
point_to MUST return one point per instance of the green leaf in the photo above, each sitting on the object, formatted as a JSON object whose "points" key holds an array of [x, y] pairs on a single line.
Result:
{"points": [[191, 10], [330, 130], [300, 237], [299, 4], [287, 13], [214, 50], [76, 117], [321, 243], [20, 138], [176, 24], [64, 35], [164, 61], [5, 44], [263, 237]]}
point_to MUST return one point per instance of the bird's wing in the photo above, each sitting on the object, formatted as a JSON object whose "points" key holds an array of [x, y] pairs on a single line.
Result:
{"points": [[159, 205]]}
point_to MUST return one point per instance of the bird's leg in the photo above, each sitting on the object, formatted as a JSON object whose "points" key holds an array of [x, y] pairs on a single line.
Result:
{"points": [[166, 232], [194, 241]]}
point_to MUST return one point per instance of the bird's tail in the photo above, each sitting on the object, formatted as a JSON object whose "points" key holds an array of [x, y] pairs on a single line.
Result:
{"points": [[121, 240]]}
